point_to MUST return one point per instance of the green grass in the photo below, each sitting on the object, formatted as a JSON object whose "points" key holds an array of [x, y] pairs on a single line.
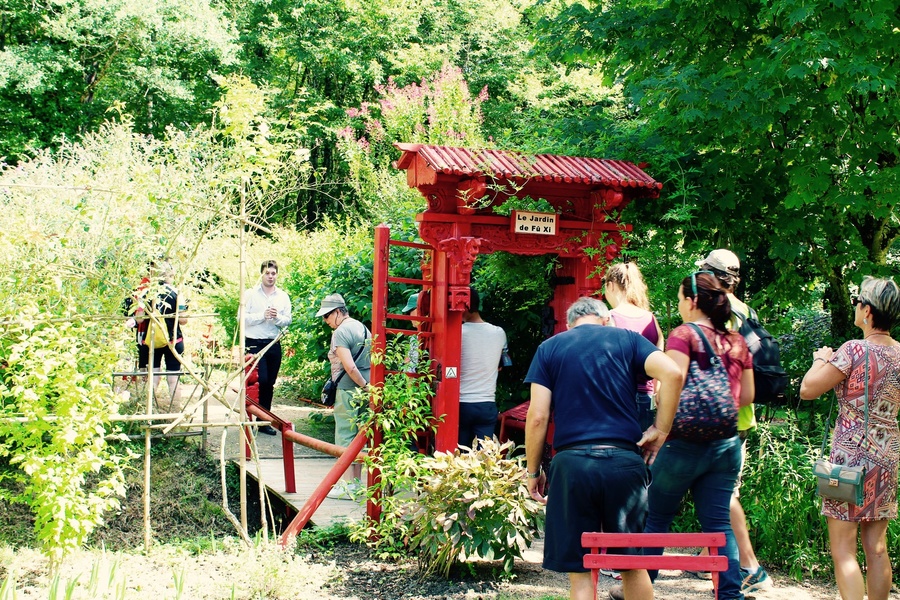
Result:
{"points": [[319, 425], [323, 538]]}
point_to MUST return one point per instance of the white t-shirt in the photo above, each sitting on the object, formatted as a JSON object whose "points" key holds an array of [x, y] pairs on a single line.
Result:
{"points": [[482, 344]]}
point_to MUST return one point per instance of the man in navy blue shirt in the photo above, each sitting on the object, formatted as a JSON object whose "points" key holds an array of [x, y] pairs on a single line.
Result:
{"points": [[586, 378]]}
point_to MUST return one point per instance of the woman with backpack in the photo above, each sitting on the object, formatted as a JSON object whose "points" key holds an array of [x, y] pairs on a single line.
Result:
{"points": [[865, 374], [703, 451]]}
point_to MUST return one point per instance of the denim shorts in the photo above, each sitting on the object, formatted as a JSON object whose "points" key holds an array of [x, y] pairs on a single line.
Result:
{"points": [[599, 489]]}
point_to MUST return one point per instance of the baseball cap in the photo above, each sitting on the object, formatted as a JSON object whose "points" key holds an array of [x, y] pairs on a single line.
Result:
{"points": [[722, 260], [331, 302], [411, 304]]}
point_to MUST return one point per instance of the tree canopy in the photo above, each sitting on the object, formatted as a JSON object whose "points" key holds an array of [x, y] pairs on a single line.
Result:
{"points": [[783, 117]]}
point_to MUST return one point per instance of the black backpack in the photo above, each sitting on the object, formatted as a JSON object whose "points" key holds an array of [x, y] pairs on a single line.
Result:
{"points": [[769, 377]]}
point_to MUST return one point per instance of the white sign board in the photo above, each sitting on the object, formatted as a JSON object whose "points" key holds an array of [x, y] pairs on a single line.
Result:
{"points": [[533, 222]]}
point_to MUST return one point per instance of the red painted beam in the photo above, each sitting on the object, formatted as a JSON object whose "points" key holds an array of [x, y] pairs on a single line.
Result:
{"points": [[318, 495]]}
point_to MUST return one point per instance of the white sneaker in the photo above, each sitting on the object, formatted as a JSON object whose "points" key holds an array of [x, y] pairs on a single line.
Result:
{"points": [[610, 573], [344, 490]]}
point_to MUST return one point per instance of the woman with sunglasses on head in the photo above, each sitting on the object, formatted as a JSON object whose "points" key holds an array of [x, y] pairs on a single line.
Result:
{"points": [[626, 292], [707, 467], [876, 446]]}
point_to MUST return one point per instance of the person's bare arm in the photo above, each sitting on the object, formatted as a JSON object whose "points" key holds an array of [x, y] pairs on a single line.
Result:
{"points": [[748, 388], [664, 368], [536, 423], [350, 366], [821, 376]]}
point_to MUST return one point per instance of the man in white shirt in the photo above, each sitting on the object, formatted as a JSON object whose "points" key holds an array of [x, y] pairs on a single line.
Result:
{"points": [[267, 311], [482, 345]]}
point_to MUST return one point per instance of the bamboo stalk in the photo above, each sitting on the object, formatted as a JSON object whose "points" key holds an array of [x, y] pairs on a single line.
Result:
{"points": [[242, 391]]}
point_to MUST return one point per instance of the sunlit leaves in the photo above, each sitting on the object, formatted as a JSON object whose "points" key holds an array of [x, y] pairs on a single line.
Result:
{"points": [[64, 64], [473, 504], [54, 411], [787, 110]]}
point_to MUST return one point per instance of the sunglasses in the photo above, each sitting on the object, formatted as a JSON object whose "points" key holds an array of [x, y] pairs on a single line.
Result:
{"points": [[694, 280], [855, 300]]}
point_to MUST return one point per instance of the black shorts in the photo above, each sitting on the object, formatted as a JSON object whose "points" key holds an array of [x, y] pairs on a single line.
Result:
{"points": [[592, 490], [143, 356], [166, 353]]}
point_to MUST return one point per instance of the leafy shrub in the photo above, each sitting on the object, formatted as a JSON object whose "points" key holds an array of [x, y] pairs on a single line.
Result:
{"points": [[56, 403], [404, 412], [779, 497], [473, 504], [807, 330]]}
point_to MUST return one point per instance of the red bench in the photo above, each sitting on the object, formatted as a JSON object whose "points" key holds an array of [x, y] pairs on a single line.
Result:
{"points": [[599, 558]]}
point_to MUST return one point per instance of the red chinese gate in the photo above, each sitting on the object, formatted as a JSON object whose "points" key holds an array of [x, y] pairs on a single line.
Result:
{"points": [[462, 187]]}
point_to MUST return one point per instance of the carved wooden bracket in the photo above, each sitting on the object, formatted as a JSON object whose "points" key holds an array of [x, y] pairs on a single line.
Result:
{"points": [[463, 251], [458, 297]]}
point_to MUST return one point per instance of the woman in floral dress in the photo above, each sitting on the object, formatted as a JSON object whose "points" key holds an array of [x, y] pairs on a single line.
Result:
{"points": [[853, 443]]}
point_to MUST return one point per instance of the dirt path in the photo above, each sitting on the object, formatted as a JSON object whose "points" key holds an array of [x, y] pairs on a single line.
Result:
{"points": [[229, 570], [233, 571]]}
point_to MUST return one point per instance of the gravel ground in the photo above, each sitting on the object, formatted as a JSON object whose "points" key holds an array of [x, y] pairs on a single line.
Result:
{"points": [[347, 572], [232, 571]]}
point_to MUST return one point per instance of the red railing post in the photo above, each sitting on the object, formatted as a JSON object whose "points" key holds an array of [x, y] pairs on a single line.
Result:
{"points": [[318, 496], [380, 274], [287, 450]]}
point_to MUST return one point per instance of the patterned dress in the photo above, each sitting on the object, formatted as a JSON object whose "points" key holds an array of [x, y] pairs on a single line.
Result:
{"points": [[878, 448]]}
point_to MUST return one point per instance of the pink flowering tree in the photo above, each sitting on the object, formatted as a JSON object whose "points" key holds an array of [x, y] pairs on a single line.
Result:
{"points": [[438, 110]]}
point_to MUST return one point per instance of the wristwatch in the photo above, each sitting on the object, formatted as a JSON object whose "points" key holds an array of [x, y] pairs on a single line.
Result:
{"points": [[536, 474]]}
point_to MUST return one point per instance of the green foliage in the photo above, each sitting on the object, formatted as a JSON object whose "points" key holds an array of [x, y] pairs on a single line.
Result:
{"points": [[334, 57], [55, 406], [322, 538], [63, 65], [403, 412], [740, 111], [439, 111], [78, 227], [527, 203], [778, 495], [806, 330], [473, 504]]}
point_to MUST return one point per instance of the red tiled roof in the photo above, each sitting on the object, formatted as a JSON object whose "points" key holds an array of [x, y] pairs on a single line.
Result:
{"points": [[516, 165]]}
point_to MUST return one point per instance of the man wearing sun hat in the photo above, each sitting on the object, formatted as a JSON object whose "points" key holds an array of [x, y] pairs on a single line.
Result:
{"points": [[726, 266], [349, 354]]}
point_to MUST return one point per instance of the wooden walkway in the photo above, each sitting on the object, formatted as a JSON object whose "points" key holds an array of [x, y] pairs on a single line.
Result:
{"points": [[310, 467], [309, 472]]}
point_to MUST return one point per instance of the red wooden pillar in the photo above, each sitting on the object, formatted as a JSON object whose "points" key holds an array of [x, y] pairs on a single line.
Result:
{"points": [[379, 342], [448, 342]]}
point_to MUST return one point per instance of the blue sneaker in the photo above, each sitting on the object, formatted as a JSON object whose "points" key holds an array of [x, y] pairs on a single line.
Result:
{"points": [[756, 582]]}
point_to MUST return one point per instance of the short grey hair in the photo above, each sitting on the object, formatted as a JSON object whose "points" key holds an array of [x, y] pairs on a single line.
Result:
{"points": [[586, 307], [883, 295]]}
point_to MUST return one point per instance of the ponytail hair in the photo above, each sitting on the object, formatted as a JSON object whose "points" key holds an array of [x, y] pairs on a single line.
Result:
{"points": [[628, 278], [712, 299]]}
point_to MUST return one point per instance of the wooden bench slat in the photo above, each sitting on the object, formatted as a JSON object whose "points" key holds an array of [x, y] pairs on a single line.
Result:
{"points": [[600, 543], [679, 562], [652, 540]]}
